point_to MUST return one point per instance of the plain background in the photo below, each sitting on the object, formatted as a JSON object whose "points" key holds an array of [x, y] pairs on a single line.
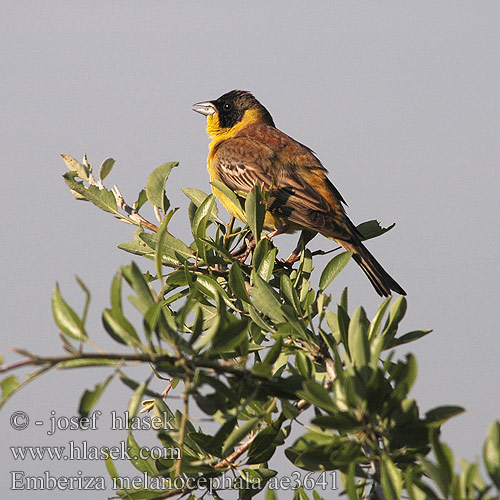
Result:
{"points": [[400, 100]]}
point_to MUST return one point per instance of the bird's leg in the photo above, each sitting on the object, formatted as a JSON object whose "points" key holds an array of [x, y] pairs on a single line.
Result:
{"points": [[274, 233], [244, 250], [305, 237]]}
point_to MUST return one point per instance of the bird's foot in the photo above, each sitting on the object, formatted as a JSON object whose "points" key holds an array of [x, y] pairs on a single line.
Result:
{"points": [[294, 257], [241, 254]]}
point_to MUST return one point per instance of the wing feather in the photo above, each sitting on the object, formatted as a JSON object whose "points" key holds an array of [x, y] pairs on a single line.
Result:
{"points": [[303, 196]]}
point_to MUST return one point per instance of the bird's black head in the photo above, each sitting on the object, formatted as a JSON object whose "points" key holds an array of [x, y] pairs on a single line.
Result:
{"points": [[230, 108]]}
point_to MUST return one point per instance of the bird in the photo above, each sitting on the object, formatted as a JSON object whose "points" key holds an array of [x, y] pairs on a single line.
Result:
{"points": [[247, 149]]}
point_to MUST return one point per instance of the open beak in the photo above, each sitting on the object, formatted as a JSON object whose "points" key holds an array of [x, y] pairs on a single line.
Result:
{"points": [[205, 108]]}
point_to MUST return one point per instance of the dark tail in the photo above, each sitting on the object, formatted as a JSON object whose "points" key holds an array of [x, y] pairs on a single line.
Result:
{"points": [[378, 276]]}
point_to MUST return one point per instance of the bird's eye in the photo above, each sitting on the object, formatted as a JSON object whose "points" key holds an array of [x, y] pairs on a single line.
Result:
{"points": [[227, 106]]}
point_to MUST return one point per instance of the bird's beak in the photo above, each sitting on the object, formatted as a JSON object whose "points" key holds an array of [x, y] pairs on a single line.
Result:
{"points": [[205, 108]]}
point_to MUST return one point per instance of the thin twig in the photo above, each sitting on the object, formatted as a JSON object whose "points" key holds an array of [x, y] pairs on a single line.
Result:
{"points": [[229, 460], [222, 368], [182, 430], [134, 215]]}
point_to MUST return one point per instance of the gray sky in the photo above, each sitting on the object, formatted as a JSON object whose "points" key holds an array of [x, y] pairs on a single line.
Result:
{"points": [[399, 100]]}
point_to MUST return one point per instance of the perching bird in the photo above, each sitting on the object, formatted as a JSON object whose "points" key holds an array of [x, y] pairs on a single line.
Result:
{"points": [[247, 149]]}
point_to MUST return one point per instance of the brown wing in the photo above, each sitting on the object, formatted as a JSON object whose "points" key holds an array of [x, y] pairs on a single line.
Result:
{"points": [[299, 189]]}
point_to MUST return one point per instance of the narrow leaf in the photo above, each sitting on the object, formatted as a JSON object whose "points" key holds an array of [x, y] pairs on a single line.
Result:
{"points": [[75, 166], [66, 318], [359, 346], [255, 211], [333, 268], [317, 395], [105, 168], [231, 195], [101, 198], [8, 385], [491, 453], [441, 414], [238, 434], [264, 299], [90, 398], [391, 479], [155, 185], [237, 283], [372, 229]]}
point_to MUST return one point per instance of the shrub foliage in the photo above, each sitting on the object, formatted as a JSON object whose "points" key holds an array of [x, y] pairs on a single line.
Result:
{"points": [[274, 365]]}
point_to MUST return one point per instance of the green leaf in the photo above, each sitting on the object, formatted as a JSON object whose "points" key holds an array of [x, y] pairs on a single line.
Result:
{"points": [[263, 446], [87, 299], [409, 337], [274, 352], [119, 328], [259, 252], [304, 365], [160, 234], [491, 453], [110, 467], [290, 294], [66, 318], [105, 168], [372, 229], [271, 495], [391, 479], [143, 494], [344, 299], [90, 398], [300, 494], [199, 225], [396, 314], [266, 266], [437, 416], [377, 319], [136, 452], [259, 321], [155, 186], [444, 457], [173, 247], [255, 210], [359, 346], [145, 297], [238, 434], [221, 254], [231, 334], [221, 435], [315, 451], [101, 198], [405, 375], [435, 474], [254, 481], [198, 197], [339, 421], [82, 363], [229, 193], [135, 400], [75, 166], [137, 248], [207, 210], [210, 288], [317, 395], [351, 489], [142, 198], [8, 385], [237, 283], [333, 268], [265, 299]]}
